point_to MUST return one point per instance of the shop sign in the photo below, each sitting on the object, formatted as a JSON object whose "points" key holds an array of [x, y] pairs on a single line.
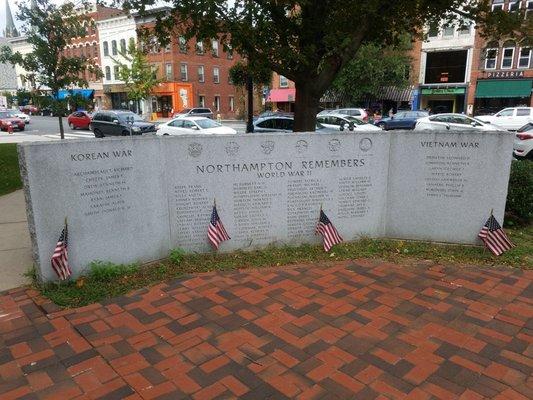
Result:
{"points": [[504, 74], [444, 91]]}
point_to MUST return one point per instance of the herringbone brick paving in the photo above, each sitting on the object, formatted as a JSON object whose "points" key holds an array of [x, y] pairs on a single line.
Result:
{"points": [[351, 330]]}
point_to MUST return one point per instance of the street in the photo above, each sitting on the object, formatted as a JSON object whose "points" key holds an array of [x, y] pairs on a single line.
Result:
{"points": [[47, 128]]}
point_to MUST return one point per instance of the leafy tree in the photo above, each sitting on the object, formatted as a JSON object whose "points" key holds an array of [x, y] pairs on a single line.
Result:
{"points": [[309, 42], [372, 69], [139, 77], [49, 28]]}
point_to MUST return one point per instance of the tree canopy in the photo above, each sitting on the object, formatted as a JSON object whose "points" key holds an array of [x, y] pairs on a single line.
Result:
{"points": [[49, 28]]}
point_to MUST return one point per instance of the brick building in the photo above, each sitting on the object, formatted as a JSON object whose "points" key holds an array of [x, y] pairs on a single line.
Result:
{"points": [[502, 70], [194, 74], [282, 95]]}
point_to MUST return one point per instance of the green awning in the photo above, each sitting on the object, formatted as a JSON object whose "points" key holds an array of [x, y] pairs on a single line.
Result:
{"points": [[503, 88]]}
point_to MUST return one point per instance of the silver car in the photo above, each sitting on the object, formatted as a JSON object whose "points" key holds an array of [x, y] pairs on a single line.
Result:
{"points": [[194, 112]]}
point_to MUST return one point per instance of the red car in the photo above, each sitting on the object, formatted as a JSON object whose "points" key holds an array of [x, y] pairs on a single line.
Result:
{"points": [[79, 119], [7, 119]]}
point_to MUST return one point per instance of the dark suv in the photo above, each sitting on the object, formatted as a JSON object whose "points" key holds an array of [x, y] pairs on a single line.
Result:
{"points": [[119, 123]]}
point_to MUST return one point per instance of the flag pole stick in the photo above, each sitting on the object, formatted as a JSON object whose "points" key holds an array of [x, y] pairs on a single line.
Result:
{"points": [[491, 211], [214, 201]]}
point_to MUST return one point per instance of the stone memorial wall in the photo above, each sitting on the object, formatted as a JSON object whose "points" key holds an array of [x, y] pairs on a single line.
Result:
{"points": [[134, 199]]}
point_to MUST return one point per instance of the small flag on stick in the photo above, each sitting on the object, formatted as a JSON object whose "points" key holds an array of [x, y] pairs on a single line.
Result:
{"points": [[324, 227], [60, 258], [494, 237], [216, 233]]}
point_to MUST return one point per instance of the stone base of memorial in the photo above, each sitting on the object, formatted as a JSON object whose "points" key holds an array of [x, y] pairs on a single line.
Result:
{"points": [[134, 199]]}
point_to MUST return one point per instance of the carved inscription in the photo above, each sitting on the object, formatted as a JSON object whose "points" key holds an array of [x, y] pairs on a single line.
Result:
{"points": [[105, 191], [445, 176], [192, 204], [353, 196]]}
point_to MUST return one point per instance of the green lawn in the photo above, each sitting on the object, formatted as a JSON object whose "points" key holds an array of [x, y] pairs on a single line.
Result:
{"points": [[105, 280], [9, 167]]}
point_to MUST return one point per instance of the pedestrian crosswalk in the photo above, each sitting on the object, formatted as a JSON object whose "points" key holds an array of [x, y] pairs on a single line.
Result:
{"points": [[72, 135]]}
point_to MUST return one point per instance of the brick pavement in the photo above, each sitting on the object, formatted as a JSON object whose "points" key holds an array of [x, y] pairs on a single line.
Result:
{"points": [[361, 329]]}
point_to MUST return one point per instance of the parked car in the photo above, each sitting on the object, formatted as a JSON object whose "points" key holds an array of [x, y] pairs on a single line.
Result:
{"points": [[29, 109], [277, 123], [79, 119], [8, 119], [119, 123], [344, 122], [25, 117], [453, 122], [274, 114], [510, 118], [194, 112], [188, 125], [523, 142], [359, 113], [401, 120]]}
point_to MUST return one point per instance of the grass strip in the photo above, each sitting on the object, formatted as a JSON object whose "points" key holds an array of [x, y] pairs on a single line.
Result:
{"points": [[106, 280], [9, 167]]}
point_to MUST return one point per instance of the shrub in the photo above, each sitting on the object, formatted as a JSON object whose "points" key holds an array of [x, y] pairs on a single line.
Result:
{"points": [[176, 256], [520, 195]]}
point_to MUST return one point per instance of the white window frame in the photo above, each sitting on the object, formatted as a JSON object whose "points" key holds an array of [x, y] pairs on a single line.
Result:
{"points": [[514, 2], [201, 75], [528, 9], [182, 44], [114, 47], [503, 57], [498, 5], [232, 103], [167, 70], [528, 59], [216, 75], [283, 82], [106, 48], [107, 73], [184, 69], [444, 35], [214, 48], [200, 48], [495, 57]]}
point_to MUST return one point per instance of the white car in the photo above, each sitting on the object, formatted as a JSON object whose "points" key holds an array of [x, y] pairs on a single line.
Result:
{"points": [[359, 113], [189, 125], [510, 118], [453, 122], [25, 117], [344, 122], [523, 142]]}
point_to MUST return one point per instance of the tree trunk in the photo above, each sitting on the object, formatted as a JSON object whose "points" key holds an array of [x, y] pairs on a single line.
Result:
{"points": [[250, 114], [306, 107], [61, 129]]}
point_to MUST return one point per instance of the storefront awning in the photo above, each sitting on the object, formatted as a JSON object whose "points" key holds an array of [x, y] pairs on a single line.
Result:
{"points": [[85, 93], [282, 96], [396, 94], [503, 88]]}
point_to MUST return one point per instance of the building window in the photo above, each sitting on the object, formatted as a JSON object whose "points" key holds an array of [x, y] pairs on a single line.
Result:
{"points": [[183, 44], [498, 5], [448, 31], [283, 82], [131, 42], [168, 47], [229, 51], [490, 58], [232, 103], [123, 46], [507, 57], [114, 47], [168, 71], [201, 101], [465, 29], [217, 103], [214, 48], [183, 72], [514, 5], [216, 75], [529, 8], [106, 49], [107, 73], [116, 72], [433, 31], [95, 51], [525, 58], [154, 71], [199, 48], [201, 74]]}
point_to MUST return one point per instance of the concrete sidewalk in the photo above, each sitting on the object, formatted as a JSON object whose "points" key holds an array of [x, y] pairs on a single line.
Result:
{"points": [[15, 247]]}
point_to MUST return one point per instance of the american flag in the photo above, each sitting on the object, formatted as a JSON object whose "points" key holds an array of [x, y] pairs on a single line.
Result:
{"points": [[60, 257], [330, 236], [494, 237], [216, 233]]}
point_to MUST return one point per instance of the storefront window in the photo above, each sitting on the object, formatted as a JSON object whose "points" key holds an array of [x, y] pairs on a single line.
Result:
{"points": [[525, 58]]}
